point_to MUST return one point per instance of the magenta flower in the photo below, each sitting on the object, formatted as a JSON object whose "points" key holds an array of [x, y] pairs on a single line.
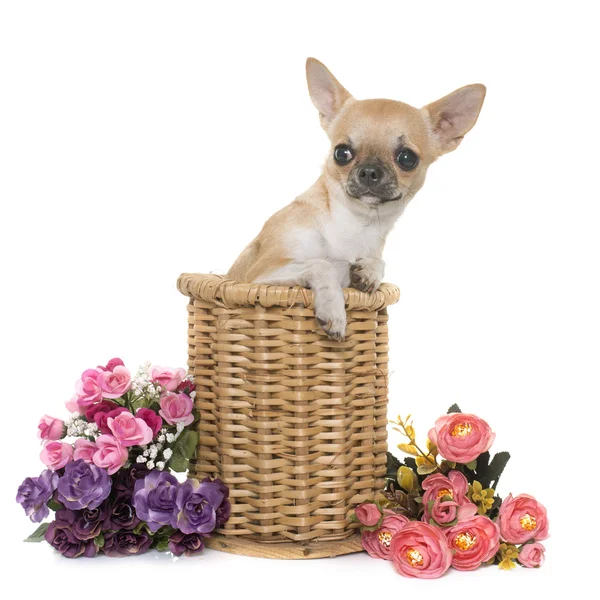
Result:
{"points": [[151, 419]]}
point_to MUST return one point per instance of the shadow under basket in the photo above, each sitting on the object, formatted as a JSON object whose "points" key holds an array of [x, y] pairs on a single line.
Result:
{"points": [[292, 422]]}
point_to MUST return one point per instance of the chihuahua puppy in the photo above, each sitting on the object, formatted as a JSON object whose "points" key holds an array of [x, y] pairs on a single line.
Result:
{"points": [[332, 236]]}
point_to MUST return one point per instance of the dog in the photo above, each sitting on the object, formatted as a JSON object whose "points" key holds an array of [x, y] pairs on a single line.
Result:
{"points": [[332, 236]]}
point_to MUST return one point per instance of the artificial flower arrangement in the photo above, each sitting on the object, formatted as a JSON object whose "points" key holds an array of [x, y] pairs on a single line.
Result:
{"points": [[440, 508], [109, 468]]}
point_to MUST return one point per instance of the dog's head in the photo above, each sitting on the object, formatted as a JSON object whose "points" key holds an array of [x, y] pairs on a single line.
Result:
{"points": [[381, 149]]}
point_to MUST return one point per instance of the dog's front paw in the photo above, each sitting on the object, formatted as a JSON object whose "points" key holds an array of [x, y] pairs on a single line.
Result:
{"points": [[331, 314], [366, 274]]}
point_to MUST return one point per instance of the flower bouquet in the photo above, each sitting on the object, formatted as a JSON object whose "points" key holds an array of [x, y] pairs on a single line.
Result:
{"points": [[440, 508], [109, 476]]}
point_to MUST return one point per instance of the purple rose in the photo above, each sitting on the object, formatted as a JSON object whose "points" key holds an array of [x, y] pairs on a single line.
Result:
{"points": [[224, 510], [87, 523], [84, 485], [197, 504], [154, 499], [122, 514], [124, 480], [125, 543], [188, 544], [34, 493], [61, 536]]}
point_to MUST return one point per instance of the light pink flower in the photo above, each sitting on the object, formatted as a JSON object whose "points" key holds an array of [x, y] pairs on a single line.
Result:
{"points": [[421, 550], [521, 519], [438, 486], [112, 363], [532, 555], [378, 542], [473, 541], [111, 455], [368, 514], [461, 438], [84, 449], [167, 377], [72, 405], [55, 455], [88, 389], [114, 383], [176, 408], [129, 430], [50, 428]]}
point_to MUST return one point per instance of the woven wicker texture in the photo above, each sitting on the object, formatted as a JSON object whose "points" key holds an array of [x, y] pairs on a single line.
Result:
{"points": [[292, 422]]}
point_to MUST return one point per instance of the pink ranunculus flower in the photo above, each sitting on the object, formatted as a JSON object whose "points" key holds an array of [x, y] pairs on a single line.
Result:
{"points": [[166, 377], [532, 555], [438, 486], [473, 541], [421, 550], [129, 430], [114, 383], [55, 455], [110, 455], [461, 438], [88, 389], [50, 428], [151, 418], [378, 542], [368, 514], [521, 519], [176, 408], [84, 449]]}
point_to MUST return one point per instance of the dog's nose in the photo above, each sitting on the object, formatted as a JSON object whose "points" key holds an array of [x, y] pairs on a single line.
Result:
{"points": [[370, 174]]}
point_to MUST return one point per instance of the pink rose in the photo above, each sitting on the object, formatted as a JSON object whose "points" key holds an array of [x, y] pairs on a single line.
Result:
{"points": [[461, 438], [521, 519], [176, 408], [111, 455], [50, 428], [55, 455], [378, 542], [421, 550], [474, 541], [84, 449], [368, 514], [101, 416], [72, 405], [88, 389], [167, 378], [129, 430], [151, 418], [112, 363], [438, 486], [532, 555], [114, 383]]}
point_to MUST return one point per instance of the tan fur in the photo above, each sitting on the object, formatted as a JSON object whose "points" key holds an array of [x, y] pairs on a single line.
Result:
{"points": [[333, 235]]}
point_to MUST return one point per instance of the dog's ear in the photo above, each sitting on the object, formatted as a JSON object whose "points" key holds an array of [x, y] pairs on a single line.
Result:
{"points": [[453, 116], [326, 92]]}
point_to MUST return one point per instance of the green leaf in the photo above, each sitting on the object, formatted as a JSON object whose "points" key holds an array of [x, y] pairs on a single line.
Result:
{"points": [[471, 465], [183, 449], [178, 462], [162, 545], [454, 409], [496, 468], [38, 534], [393, 464], [99, 540], [54, 505]]}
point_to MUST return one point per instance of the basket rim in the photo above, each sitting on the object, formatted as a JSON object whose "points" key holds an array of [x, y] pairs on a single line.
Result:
{"points": [[229, 293]]}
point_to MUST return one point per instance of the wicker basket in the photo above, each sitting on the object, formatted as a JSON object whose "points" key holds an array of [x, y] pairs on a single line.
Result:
{"points": [[292, 422]]}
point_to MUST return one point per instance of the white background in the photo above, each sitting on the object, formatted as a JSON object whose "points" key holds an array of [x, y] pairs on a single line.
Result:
{"points": [[139, 140]]}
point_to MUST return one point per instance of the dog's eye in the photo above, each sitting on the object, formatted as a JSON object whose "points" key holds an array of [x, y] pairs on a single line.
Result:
{"points": [[407, 159], [343, 154]]}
